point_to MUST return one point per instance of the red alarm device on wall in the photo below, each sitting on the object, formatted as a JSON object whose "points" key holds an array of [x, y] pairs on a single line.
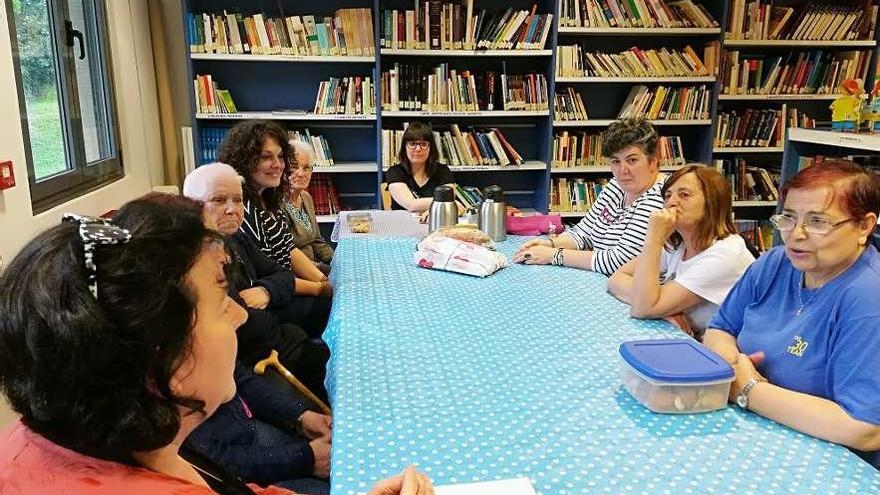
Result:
{"points": [[7, 176]]}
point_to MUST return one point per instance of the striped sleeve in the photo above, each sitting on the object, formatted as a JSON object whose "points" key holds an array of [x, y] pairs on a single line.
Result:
{"points": [[585, 231], [624, 240]]}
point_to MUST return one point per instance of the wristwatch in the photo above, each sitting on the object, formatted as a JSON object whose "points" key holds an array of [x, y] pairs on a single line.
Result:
{"points": [[742, 400]]}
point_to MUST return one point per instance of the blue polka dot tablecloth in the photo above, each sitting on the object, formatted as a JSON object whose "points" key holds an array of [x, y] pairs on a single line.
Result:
{"points": [[517, 375]]}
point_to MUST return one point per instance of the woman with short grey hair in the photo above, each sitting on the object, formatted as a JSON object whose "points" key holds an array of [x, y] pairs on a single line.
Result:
{"points": [[299, 208]]}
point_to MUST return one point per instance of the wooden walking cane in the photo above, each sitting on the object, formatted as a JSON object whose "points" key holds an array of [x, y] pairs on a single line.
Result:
{"points": [[273, 361]]}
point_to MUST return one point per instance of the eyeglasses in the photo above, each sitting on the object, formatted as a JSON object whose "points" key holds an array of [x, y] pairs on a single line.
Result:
{"points": [[418, 144], [306, 169], [813, 224]]}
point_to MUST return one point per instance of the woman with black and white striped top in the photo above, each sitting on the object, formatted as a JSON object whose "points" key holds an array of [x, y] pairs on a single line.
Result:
{"points": [[260, 153], [614, 229]]}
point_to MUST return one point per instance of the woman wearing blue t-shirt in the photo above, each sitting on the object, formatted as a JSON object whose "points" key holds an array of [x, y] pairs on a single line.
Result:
{"points": [[802, 327]]}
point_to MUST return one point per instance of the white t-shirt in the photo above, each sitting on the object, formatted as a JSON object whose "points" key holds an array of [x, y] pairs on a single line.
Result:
{"points": [[710, 274]]}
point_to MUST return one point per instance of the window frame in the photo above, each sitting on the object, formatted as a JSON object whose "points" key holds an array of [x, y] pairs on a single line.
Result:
{"points": [[81, 177]]}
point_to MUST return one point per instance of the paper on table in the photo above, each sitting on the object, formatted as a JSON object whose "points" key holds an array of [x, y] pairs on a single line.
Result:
{"points": [[515, 486]]}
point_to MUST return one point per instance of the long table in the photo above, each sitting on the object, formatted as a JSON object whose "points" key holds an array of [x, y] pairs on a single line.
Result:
{"points": [[518, 375]]}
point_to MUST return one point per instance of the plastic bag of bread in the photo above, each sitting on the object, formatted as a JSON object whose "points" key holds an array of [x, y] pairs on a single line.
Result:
{"points": [[453, 255], [465, 233]]}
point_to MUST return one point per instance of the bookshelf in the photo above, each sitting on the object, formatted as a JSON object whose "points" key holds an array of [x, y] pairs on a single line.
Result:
{"points": [[305, 117], [606, 122], [282, 58], [263, 84], [781, 97], [684, 32], [812, 142], [747, 149], [619, 80], [465, 53], [750, 38], [800, 43], [528, 130], [601, 169], [283, 88]]}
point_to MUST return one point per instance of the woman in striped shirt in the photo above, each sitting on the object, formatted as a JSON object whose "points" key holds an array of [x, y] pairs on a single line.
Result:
{"points": [[614, 229], [259, 152]]}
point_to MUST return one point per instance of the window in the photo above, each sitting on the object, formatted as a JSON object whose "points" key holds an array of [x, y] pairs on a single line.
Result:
{"points": [[66, 97]]}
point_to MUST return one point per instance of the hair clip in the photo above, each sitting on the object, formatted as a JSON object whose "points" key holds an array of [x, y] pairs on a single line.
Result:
{"points": [[96, 232]]}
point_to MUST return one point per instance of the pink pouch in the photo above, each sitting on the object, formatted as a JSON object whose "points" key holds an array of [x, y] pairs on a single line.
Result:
{"points": [[534, 224]]}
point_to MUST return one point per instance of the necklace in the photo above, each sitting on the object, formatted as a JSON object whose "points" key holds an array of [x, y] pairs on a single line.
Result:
{"points": [[300, 215], [800, 303]]}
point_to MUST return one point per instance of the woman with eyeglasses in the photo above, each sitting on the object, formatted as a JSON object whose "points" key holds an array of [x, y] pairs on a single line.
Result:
{"points": [[802, 327], [613, 231], [692, 255], [299, 208], [412, 181]]}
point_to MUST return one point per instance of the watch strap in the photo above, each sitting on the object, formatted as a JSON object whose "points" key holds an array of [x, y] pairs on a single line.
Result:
{"points": [[742, 400]]}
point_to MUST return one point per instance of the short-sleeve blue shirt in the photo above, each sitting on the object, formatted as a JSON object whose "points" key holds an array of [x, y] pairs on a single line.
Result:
{"points": [[831, 350]]}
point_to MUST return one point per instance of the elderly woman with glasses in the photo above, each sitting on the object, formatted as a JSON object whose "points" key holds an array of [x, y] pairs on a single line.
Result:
{"points": [[802, 327], [299, 208], [614, 229], [412, 181]]}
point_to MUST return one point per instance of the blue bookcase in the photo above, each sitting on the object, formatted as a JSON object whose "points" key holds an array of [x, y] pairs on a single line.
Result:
{"points": [[815, 106], [263, 84]]}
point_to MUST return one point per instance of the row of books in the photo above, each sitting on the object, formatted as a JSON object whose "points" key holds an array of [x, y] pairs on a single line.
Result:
{"points": [[348, 32], [581, 149], [323, 157], [667, 103], [869, 162], [634, 13], [759, 233], [409, 87], [760, 19], [467, 196], [209, 143], [748, 183], [574, 194], [324, 194], [812, 72], [797, 118], [750, 127], [210, 139], [351, 95], [437, 25], [472, 147], [568, 105], [210, 98], [576, 61]]}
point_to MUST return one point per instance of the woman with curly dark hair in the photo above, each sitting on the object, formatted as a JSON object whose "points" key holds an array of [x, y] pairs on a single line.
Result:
{"points": [[113, 355], [259, 151]]}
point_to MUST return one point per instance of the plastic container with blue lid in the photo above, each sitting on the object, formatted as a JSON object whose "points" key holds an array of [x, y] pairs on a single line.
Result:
{"points": [[675, 375]]}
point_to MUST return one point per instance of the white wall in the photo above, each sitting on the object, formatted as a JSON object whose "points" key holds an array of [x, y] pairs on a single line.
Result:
{"points": [[134, 81]]}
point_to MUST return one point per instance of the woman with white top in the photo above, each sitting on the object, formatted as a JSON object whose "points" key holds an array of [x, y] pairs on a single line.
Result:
{"points": [[692, 255]]}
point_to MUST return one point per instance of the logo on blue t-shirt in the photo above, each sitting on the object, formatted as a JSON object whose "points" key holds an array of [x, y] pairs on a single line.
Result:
{"points": [[798, 347]]}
